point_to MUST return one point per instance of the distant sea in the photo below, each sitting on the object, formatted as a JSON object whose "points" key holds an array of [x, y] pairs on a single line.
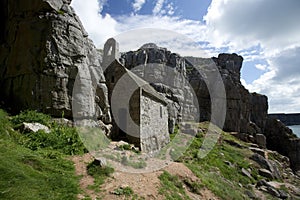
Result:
{"points": [[295, 129]]}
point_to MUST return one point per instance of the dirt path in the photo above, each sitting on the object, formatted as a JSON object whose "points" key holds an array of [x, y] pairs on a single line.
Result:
{"points": [[145, 185]]}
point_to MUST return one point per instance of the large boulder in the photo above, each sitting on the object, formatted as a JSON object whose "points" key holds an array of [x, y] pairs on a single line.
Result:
{"points": [[44, 47]]}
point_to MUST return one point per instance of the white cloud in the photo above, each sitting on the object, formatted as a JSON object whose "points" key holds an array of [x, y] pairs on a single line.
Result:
{"points": [[273, 27], [190, 31], [261, 67], [170, 10], [158, 7], [138, 4], [255, 29], [273, 24], [281, 82], [99, 28]]}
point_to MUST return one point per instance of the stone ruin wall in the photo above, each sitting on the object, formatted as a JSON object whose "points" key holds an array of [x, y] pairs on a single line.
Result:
{"points": [[154, 124]]}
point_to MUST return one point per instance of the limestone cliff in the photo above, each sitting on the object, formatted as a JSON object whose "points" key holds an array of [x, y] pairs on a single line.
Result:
{"points": [[280, 138], [242, 107], [44, 47]]}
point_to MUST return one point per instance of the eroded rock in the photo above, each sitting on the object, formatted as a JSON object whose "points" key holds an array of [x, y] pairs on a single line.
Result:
{"points": [[44, 49], [280, 138]]}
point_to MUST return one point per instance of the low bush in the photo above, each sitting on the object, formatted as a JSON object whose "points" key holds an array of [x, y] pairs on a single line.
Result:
{"points": [[127, 191], [30, 116], [61, 138]]}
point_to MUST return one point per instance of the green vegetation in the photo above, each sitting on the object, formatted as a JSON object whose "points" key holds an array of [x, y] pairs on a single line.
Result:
{"points": [[127, 191], [60, 12], [30, 116], [195, 187], [37, 165], [135, 164], [93, 138], [37, 172], [61, 138], [125, 147], [172, 187], [176, 131], [222, 178], [128, 147], [99, 174]]}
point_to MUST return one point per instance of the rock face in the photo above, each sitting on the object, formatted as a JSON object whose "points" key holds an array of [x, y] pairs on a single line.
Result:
{"points": [[259, 110], [242, 107], [281, 139], [44, 47]]}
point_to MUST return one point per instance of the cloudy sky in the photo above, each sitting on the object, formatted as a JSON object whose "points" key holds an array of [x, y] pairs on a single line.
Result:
{"points": [[265, 32]]}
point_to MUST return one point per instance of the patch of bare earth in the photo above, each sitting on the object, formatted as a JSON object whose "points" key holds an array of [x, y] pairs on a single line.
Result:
{"points": [[145, 185], [80, 163]]}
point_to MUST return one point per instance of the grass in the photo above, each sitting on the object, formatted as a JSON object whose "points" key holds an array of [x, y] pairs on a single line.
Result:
{"points": [[222, 179], [127, 192], [172, 187], [194, 187], [128, 147], [99, 174], [135, 164], [36, 165], [27, 174]]}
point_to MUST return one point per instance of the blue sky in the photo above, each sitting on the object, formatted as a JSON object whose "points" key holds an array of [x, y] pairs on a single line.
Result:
{"points": [[182, 8], [266, 33]]}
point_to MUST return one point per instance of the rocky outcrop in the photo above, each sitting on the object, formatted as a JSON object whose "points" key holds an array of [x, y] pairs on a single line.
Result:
{"points": [[280, 138], [259, 110], [45, 54], [246, 113], [242, 107]]}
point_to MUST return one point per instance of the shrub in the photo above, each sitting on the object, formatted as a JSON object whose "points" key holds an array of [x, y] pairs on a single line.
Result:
{"points": [[127, 191], [62, 138], [31, 116], [97, 171]]}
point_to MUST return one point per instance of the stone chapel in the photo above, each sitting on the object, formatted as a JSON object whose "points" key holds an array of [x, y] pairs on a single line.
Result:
{"points": [[139, 113]]}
